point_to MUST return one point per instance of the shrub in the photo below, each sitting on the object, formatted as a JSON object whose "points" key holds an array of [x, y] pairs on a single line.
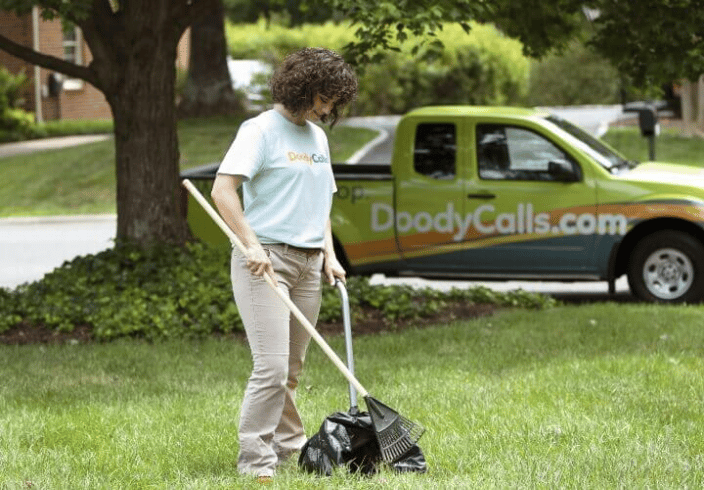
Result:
{"points": [[483, 68], [163, 291], [15, 123], [167, 291], [577, 76], [63, 127]]}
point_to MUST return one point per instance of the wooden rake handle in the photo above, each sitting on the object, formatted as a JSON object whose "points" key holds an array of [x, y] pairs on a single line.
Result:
{"points": [[270, 281]]}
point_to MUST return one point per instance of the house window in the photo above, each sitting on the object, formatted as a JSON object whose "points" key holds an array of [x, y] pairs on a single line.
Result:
{"points": [[72, 44], [73, 53]]}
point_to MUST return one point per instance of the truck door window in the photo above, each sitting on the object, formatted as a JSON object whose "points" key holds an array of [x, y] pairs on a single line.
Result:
{"points": [[435, 150], [513, 153]]}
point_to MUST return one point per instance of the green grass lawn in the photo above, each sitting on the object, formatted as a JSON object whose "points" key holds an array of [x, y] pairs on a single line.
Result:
{"points": [[81, 180], [598, 396], [670, 146]]}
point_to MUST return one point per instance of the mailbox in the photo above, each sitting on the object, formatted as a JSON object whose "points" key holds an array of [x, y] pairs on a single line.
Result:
{"points": [[648, 121], [55, 84]]}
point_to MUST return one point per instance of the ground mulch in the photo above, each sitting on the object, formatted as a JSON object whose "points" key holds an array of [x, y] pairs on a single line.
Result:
{"points": [[372, 323]]}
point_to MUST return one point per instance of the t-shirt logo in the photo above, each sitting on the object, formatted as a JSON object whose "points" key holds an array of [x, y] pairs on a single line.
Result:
{"points": [[306, 158]]}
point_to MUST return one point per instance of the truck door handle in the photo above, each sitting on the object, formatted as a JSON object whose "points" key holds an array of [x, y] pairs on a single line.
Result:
{"points": [[481, 196]]}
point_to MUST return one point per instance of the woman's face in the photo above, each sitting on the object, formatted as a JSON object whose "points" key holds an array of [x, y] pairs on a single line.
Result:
{"points": [[322, 106]]}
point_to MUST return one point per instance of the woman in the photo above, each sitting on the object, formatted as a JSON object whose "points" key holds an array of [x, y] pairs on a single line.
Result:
{"points": [[282, 161]]}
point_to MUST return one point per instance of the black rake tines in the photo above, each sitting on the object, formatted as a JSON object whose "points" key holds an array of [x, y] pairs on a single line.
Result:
{"points": [[395, 434]]}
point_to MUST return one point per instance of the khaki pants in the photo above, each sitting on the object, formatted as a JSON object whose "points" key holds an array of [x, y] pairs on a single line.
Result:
{"points": [[270, 428]]}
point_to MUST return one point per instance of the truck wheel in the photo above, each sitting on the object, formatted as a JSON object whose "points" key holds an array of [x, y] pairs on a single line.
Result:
{"points": [[667, 267]]}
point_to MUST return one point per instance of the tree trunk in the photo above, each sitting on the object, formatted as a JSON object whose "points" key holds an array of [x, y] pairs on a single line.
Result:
{"points": [[208, 90], [146, 145], [687, 101]]}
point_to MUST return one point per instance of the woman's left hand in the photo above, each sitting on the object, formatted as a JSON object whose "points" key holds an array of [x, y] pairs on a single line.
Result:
{"points": [[332, 269]]}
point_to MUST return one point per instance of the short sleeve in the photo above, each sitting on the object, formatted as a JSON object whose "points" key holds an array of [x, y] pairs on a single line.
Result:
{"points": [[246, 153]]}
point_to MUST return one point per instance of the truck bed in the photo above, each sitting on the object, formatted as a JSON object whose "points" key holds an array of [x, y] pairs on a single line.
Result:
{"points": [[342, 171], [345, 171]]}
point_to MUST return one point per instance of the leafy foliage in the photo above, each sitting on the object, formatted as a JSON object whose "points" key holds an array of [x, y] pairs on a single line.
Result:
{"points": [[575, 76], [539, 25], [168, 291], [15, 123], [162, 291], [653, 41], [483, 67], [50, 9], [290, 12], [382, 25]]}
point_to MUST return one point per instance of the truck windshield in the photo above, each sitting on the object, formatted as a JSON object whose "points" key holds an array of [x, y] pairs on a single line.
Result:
{"points": [[607, 157]]}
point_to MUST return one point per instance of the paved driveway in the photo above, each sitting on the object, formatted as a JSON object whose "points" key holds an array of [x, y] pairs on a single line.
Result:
{"points": [[31, 247]]}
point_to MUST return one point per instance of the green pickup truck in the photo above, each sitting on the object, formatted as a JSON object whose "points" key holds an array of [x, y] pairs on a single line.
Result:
{"points": [[512, 194]]}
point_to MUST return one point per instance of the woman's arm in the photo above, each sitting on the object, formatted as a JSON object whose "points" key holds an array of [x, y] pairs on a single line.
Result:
{"points": [[331, 267], [227, 201]]}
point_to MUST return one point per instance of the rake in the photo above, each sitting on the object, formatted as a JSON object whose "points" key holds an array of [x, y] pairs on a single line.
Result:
{"points": [[395, 434]]}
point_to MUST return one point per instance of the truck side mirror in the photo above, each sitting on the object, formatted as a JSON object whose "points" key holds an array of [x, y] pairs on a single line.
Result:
{"points": [[562, 171]]}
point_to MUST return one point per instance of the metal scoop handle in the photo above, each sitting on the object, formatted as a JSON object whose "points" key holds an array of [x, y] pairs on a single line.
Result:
{"points": [[344, 298]]}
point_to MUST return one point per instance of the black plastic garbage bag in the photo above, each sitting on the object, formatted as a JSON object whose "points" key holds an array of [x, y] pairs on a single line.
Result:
{"points": [[348, 438]]}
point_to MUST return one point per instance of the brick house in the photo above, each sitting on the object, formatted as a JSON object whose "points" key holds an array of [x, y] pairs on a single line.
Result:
{"points": [[71, 98]]}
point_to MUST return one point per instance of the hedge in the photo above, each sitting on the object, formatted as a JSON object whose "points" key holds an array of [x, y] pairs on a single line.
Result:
{"points": [[482, 68], [168, 291], [15, 123], [575, 77]]}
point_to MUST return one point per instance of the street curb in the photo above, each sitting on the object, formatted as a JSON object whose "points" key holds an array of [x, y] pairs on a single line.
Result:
{"points": [[77, 218], [46, 144]]}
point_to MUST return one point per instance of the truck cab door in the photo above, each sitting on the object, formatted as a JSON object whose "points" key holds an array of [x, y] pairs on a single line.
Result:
{"points": [[533, 210], [430, 192]]}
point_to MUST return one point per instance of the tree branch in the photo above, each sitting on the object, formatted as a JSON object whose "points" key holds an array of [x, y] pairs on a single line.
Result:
{"points": [[47, 61]]}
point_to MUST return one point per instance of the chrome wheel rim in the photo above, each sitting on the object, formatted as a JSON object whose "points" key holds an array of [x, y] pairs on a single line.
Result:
{"points": [[668, 274]]}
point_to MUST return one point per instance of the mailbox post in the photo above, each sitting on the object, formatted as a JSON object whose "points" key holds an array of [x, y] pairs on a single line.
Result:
{"points": [[648, 122]]}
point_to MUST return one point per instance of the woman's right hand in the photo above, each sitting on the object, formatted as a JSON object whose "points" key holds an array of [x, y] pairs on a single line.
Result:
{"points": [[258, 261], [227, 201]]}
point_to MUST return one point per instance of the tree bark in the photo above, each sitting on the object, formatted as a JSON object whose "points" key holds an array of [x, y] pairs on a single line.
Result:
{"points": [[208, 90], [147, 155], [687, 101], [136, 72]]}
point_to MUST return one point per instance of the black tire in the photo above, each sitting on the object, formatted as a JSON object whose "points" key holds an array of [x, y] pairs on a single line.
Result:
{"points": [[667, 267]]}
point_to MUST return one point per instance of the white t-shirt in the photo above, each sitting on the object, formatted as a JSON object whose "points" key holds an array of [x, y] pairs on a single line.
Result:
{"points": [[288, 181]]}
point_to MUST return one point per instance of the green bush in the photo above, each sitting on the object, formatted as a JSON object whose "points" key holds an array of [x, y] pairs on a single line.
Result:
{"points": [[577, 76], [15, 123], [166, 292], [483, 68], [64, 127], [163, 291]]}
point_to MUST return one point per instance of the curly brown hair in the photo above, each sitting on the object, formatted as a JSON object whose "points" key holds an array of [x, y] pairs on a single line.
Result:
{"points": [[310, 72]]}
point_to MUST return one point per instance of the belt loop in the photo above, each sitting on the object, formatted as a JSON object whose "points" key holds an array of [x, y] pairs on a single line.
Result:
{"points": [[285, 248]]}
